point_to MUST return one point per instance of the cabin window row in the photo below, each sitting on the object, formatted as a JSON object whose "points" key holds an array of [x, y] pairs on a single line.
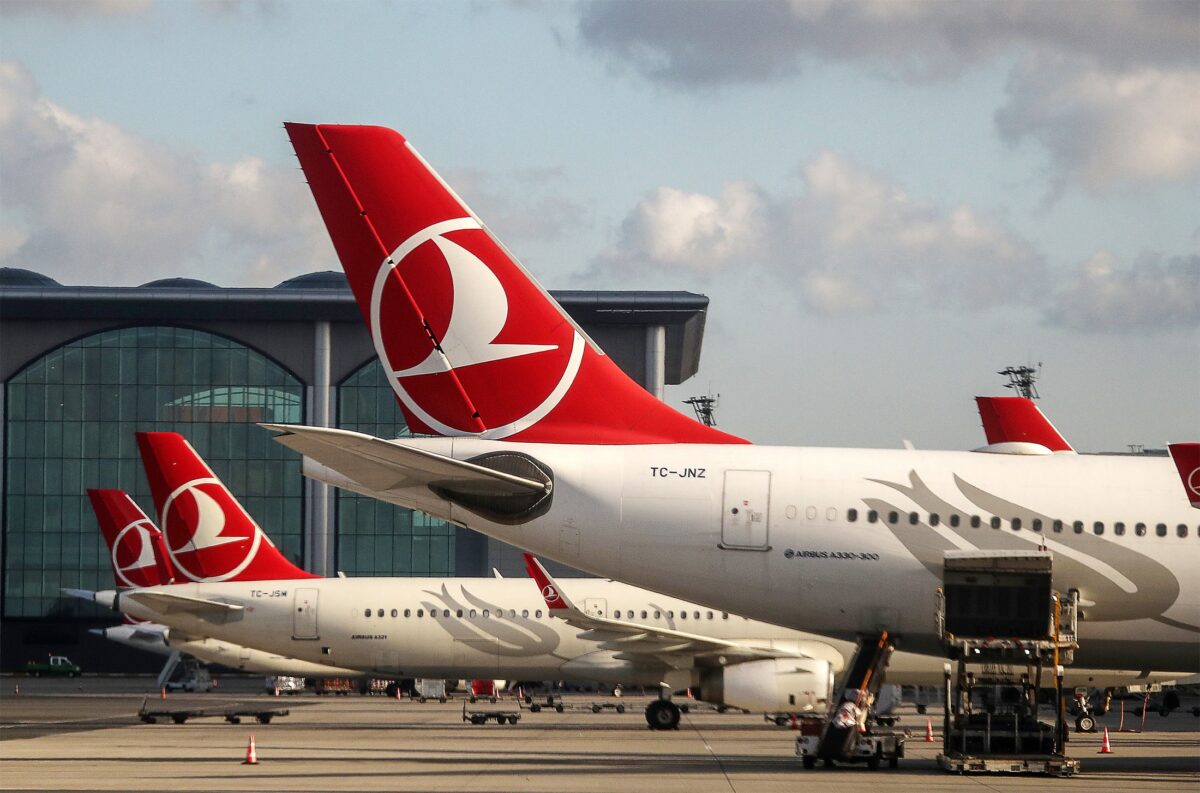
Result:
{"points": [[537, 614], [1016, 524]]}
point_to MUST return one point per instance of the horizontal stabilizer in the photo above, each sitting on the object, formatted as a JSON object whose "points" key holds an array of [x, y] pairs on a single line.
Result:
{"points": [[169, 603], [82, 594]]}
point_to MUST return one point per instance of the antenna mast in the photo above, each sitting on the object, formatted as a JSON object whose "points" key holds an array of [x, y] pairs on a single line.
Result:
{"points": [[704, 407], [1023, 379]]}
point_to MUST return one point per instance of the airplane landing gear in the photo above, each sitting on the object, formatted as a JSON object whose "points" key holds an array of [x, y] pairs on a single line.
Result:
{"points": [[662, 714]]}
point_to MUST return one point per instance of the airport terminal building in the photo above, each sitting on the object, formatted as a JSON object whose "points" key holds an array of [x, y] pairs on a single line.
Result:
{"points": [[83, 368]]}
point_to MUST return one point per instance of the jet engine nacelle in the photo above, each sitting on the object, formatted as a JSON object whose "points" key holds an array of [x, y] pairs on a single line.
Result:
{"points": [[773, 685]]}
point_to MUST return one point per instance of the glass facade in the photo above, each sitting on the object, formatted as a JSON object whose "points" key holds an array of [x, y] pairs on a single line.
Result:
{"points": [[70, 421], [374, 538]]}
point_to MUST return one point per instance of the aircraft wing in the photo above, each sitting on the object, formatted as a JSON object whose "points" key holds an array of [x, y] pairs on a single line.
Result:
{"points": [[169, 603], [636, 642], [382, 466]]}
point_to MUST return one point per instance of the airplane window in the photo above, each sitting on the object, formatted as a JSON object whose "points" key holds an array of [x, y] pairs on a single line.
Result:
{"points": [[1037, 524], [1058, 525], [696, 614], [995, 522], [1077, 526], [724, 615], [643, 614], [538, 614], [460, 612], [657, 615], [471, 613], [831, 514], [395, 613], [512, 614], [524, 612], [913, 518], [811, 513], [381, 612], [1016, 524], [420, 612], [670, 615], [1140, 530], [934, 519], [852, 515], [954, 521], [1098, 527], [975, 521], [367, 613], [1182, 527], [445, 612], [893, 517], [408, 613], [872, 516], [1181, 530], [433, 613], [487, 613], [1161, 530], [683, 615], [1118, 528]]}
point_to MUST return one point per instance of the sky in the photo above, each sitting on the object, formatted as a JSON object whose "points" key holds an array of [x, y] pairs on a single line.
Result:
{"points": [[886, 202]]}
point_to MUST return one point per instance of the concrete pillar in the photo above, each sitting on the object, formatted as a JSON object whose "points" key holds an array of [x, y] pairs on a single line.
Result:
{"points": [[656, 359], [320, 502]]}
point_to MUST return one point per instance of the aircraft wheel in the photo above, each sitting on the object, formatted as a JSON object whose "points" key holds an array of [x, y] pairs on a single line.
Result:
{"points": [[621, 708], [595, 708], [1085, 724], [662, 714], [535, 708], [558, 708]]}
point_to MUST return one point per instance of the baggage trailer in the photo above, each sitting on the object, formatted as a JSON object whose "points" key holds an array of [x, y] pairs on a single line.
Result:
{"points": [[1007, 635], [232, 713], [498, 715]]}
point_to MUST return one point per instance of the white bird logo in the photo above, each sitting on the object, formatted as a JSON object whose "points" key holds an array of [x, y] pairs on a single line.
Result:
{"points": [[206, 531], [144, 556]]}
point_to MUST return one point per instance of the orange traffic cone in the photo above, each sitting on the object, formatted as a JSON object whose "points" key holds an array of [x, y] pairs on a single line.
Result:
{"points": [[1105, 746], [276, 690], [795, 725], [251, 755], [162, 693], [928, 730], [397, 692]]}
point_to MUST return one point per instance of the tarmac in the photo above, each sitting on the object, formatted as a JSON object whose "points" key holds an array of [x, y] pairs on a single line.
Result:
{"points": [[86, 735]]}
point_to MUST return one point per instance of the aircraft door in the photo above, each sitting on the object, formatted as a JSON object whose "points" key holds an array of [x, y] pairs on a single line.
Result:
{"points": [[304, 614], [745, 518], [595, 607]]}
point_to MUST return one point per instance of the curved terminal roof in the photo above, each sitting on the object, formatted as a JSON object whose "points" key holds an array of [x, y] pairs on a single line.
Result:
{"points": [[16, 276]]}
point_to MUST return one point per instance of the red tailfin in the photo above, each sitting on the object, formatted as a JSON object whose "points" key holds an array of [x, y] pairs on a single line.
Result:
{"points": [[1187, 462], [209, 536], [1017, 419], [134, 543], [470, 342]]}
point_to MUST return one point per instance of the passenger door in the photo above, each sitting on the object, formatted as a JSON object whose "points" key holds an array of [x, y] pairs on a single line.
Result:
{"points": [[745, 519], [595, 607], [304, 614]]}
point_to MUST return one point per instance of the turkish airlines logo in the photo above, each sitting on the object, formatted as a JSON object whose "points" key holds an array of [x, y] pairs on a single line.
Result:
{"points": [[1193, 481], [466, 308], [550, 593], [202, 542], [133, 559]]}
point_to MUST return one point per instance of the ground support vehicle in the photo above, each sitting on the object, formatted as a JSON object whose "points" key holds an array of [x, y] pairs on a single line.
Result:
{"points": [[850, 732], [189, 675], [54, 666], [426, 689], [284, 684], [341, 686], [498, 715], [992, 684], [232, 713]]}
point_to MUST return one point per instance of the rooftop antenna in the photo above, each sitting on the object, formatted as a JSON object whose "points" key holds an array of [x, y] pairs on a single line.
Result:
{"points": [[1023, 379], [704, 407]]}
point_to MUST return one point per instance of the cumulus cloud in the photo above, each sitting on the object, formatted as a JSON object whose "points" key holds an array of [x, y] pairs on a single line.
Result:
{"points": [[530, 204], [710, 43], [848, 240], [1153, 293], [1106, 128], [98, 204], [1108, 87]]}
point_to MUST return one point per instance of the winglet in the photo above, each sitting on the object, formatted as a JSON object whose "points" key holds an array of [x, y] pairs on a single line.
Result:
{"points": [[556, 601], [1187, 462], [1018, 420]]}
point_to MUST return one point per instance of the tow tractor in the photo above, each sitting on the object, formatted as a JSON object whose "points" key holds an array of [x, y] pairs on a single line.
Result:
{"points": [[850, 733], [1005, 631]]}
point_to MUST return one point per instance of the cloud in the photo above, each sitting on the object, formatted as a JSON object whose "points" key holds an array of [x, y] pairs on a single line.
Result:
{"points": [[689, 43], [1104, 128], [97, 204], [849, 240], [1153, 293], [527, 205], [1108, 88], [75, 9]]}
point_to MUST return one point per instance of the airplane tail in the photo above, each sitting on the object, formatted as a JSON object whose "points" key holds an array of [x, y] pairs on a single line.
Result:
{"points": [[470, 342], [1187, 462], [135, 544], [209, 536], [1018, 420]]}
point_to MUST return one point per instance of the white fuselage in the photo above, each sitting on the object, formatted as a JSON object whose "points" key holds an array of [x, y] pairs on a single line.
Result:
{"points": [[663, 517]]}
